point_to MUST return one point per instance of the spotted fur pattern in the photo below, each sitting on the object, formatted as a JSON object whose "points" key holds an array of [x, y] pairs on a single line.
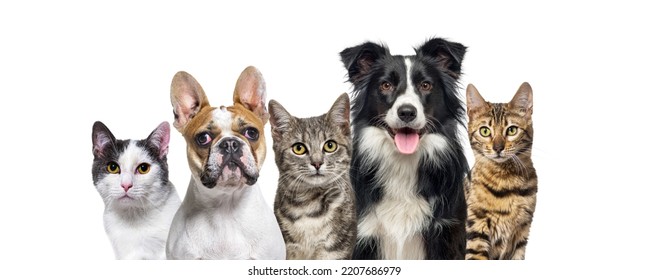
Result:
{"points": [[501, 191]]}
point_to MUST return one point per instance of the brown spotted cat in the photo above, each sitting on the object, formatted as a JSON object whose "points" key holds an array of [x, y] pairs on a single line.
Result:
{"points": [[501, 189]]}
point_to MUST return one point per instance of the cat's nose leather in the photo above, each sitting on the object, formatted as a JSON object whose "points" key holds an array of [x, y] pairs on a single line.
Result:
{"points": [[498, 147], [126, 186]]}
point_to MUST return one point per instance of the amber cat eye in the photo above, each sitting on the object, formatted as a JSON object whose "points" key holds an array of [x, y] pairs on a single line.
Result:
{"points": [[330, 146], [299, 149], [144, 168], [512, 130], [484, 131], [112, 167]]}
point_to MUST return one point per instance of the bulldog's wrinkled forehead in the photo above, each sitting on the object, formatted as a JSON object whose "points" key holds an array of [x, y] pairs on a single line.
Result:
{"points": [[223, 119], [223, 122]]}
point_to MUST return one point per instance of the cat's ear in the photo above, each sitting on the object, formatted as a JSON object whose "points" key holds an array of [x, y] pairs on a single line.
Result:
{"points": [[358, 60], [102, 140], [159, 139], [279, 119], [474, 100], [338, 115], [250, 91], [523, 99], [187, 98], [448, 55]]}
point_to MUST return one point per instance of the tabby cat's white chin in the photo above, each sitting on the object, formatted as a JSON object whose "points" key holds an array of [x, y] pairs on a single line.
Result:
{"points": [[316, 183], [499, 159]]}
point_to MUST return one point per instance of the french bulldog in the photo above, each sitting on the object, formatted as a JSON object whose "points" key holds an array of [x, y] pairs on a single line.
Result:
{"points": [[223, 214]]}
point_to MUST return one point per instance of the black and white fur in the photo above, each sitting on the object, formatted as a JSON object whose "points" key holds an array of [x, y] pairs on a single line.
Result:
{"points": [[139, 206], [410, 205]]}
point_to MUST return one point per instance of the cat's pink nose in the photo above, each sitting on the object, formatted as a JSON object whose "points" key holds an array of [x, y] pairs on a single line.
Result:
{"points": [[126, 186]]}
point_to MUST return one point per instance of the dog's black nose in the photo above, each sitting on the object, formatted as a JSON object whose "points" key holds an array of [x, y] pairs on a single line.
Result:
{"points": [[230, 145], [407, 113]]}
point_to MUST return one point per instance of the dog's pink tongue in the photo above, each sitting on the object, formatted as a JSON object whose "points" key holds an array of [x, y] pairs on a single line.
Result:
{"points": [[406, 142]]}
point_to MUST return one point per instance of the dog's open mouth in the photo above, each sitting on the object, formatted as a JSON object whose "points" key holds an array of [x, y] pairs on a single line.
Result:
{"points": [[406, 139]]}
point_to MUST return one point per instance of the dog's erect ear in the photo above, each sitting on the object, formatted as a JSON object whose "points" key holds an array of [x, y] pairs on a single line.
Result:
{"points": [[474, 100], [250, 91], [187, 98], [102, 139], [448, 55], [523, 99], [279, 119], [338, 115], [159, 139], [358, 60]]}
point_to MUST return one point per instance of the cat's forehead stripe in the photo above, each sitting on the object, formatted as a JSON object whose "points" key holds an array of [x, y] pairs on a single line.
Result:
{"points": [[498, 113]]}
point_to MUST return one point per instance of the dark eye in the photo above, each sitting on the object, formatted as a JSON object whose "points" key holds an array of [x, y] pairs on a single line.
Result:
{"points": [[386, 86], [143, 168], [299, 149], [512, 130], [112, 167], [484, 131], [203, 139], [330, 146], [425, 86], [251, 133]]}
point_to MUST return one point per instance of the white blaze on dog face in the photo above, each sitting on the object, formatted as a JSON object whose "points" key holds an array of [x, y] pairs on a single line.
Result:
{"points": [[406, 117], [210, 131], [224, 151]]}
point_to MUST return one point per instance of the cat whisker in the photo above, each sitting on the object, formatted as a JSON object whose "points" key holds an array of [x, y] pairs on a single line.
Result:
{"points": [[520, 166]]}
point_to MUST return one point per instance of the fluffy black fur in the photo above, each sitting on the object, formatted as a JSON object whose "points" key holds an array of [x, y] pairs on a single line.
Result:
{"points": [[437, 61]]}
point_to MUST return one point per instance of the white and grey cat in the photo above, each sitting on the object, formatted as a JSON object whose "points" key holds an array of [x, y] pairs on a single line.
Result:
{"points": [[132, 178], [315, 203]]}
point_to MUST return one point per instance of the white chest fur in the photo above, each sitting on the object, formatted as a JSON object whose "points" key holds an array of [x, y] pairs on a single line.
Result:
{"points": [[141, 236], [237, 226], [398, 219]]}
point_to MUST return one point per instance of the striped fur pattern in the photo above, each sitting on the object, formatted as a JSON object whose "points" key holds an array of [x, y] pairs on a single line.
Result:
{"points": [[314, 204], [501, 191]]}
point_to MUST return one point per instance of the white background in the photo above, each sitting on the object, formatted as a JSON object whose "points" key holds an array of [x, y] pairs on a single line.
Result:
{"points": [[64, 65]]}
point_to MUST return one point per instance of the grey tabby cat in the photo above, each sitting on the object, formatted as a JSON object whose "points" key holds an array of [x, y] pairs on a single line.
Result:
{"points": [[315, 204]]}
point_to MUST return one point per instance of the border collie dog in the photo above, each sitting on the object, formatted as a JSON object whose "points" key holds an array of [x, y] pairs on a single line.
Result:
{"points": [[408, 165]]}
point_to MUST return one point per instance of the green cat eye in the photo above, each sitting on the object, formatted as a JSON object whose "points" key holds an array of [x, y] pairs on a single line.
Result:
{"points": [[484, 131], [330, 146], [112, 167], [512, 130], [299, 149], [143, 168]]}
